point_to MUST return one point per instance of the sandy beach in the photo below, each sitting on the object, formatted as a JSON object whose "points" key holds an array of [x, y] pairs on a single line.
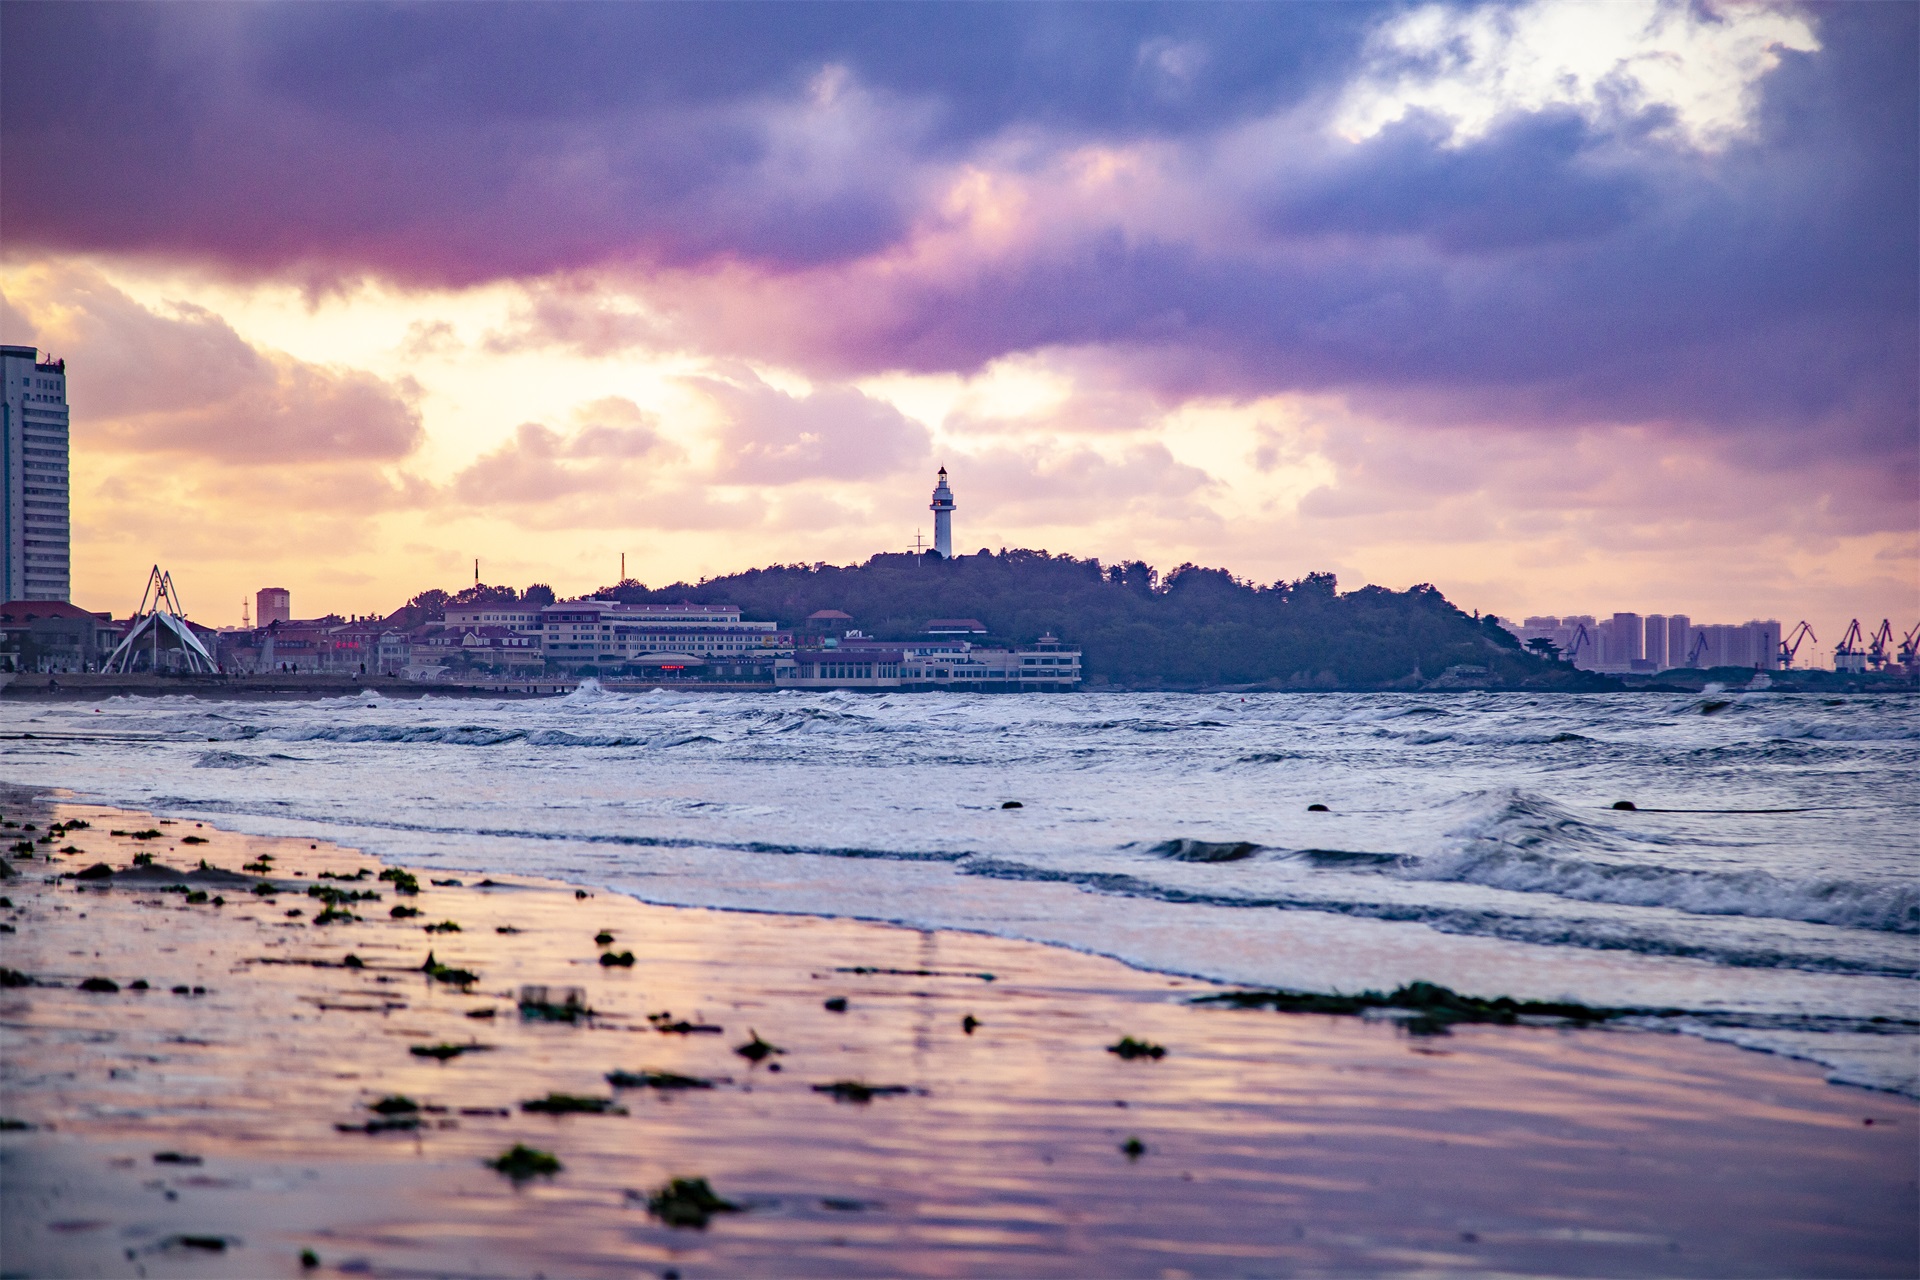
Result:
{"points": [[265, 1093]]}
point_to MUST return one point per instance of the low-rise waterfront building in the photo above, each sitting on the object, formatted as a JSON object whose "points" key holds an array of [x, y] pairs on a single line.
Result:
{"points": [[672, 639], [500, 651], [53, 635], [859, 662], [514, 617]]}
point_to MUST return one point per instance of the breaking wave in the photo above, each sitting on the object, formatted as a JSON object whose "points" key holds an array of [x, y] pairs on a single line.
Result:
{"points": [[1515, 846]]}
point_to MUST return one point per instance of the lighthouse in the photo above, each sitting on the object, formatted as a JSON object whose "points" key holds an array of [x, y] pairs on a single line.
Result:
{"points": [[942, 508]]}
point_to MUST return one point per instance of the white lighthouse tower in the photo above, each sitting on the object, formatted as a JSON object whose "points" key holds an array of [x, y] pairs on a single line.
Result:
{"points": [[942, 508]]}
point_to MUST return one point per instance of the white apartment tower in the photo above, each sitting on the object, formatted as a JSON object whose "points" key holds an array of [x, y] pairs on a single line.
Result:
{"points": [[942, 508], [33, 476]]}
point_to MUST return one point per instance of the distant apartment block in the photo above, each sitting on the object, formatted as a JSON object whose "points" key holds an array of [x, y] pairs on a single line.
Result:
{"points": [[1630, 642], [33, 477]]}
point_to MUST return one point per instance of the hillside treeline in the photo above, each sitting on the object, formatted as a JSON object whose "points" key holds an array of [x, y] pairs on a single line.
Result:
{"points": [[1194, 626]]}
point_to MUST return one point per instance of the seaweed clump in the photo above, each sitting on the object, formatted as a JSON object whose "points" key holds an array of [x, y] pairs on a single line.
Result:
{"points": [[688, 1202], [211, 1244], [664, 1023], [756, 1049], [857, 1091], [383, 1124], [1129, 1049], [402, 881], [1435, 1004], [521, 1162], [655, 1080], [332, 896], [570, 1104], [448, 974], [538, 1004]]}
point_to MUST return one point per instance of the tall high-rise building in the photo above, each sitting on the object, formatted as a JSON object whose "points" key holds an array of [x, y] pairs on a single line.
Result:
{"points": [[1656, 651], [1679, 640], [1629, 640], [33, 476]]}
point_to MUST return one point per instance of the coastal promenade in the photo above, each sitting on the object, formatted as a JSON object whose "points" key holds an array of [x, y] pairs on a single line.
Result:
{"points": [[77, 688]]}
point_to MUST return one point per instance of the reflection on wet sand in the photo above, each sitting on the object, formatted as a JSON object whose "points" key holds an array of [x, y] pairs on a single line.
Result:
{"points": [[960, 1113]]}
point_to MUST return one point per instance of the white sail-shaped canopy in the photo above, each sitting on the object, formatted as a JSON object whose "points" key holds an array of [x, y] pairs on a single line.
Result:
{"points": [[160, 635]]}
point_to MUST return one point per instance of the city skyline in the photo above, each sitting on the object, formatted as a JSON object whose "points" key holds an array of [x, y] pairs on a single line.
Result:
{"points": [[1277, 290]]}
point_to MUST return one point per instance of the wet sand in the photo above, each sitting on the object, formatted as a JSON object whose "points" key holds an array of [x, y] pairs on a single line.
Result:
{"points": [[223, 1130]]}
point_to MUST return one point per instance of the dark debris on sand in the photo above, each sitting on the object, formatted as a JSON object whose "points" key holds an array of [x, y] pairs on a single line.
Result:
{"points": [[856, 1091], [569, 1104], [655, 1080], [1432, 1002], [521, 1162], [688, 1202]]}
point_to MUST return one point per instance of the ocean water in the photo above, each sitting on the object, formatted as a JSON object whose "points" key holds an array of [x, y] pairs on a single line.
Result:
{"points": [[1767, 882]]}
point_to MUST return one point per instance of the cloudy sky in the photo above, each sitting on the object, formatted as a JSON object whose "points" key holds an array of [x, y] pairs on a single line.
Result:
{"points": [[1560, 307]]}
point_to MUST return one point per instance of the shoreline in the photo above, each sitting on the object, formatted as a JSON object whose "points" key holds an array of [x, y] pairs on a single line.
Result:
{"points": [[82, 687], [1271, 1140]]}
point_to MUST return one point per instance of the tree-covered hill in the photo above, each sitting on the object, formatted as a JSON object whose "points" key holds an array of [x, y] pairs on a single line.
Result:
{"points": [[1194, 627]]}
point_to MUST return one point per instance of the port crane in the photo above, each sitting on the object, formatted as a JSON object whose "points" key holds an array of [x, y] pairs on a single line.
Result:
{"points": [[1879, 644], [1582, 640], [1910, 647], [1699, 647], [1790, 647], [1850, 654]]}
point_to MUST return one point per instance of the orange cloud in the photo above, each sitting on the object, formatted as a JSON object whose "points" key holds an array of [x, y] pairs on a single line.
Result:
{"points": [[187, 383]]}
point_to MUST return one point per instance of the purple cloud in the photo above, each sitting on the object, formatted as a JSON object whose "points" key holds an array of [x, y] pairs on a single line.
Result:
{"points": [[777, 182]]}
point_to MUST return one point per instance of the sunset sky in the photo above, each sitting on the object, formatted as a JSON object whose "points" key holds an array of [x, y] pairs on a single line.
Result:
{"points": [[1558, 307]]}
